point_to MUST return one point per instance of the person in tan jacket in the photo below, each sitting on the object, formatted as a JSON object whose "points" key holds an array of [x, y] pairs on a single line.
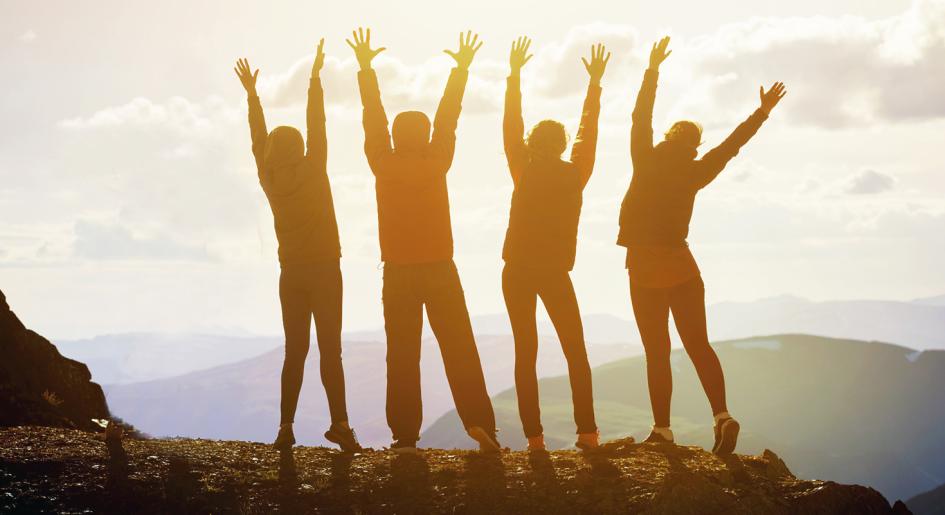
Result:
{"points": [[413, 214], [541, 242], [293, 175]]}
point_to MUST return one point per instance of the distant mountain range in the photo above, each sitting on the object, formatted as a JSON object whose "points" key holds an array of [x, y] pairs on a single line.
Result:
{"points": [[861, 412], [135, 357]]}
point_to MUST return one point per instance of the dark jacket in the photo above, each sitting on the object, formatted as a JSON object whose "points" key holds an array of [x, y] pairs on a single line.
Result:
{"points": [[413, 207], [657, 207], [296, 183], [546, 202]]}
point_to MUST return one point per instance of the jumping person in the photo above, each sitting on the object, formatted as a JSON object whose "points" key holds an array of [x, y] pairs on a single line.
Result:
{"points": [[541, 241], [654, 225], [417, 250], [294, 178]]}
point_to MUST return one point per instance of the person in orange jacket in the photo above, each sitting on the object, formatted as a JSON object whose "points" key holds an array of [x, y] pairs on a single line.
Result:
{"points": [[416, 240], [654, 225], [293, 175], [541, 242]]}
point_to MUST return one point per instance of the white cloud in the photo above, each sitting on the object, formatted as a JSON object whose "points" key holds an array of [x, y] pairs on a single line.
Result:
{"points": [[869, 182], [100, 240], [28, 37]]}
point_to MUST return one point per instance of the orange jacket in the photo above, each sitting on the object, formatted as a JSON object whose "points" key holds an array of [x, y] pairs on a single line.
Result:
{"points": [[413, 208], [298, 191]]}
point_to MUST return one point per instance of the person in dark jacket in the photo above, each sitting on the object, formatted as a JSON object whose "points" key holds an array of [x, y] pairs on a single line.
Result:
{"points": [[541, 240], [654, 225], [417, 249], [293, 176]]}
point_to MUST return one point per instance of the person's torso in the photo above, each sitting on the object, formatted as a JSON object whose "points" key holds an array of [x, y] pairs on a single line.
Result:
{"points": [[413, 211], [544, 216], [303, 212]]}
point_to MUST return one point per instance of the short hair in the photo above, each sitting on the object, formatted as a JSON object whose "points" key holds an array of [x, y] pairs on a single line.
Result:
{"points": [[547, 138], [685, 132]]}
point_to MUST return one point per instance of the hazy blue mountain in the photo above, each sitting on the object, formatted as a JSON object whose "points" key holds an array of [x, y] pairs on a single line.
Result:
{"points": [[852, 411], [928, 503], [241, 400]]}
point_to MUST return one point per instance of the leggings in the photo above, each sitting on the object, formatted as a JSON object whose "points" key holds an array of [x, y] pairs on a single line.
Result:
{"points": [[651, 307], [522, 287], [306, 291]]}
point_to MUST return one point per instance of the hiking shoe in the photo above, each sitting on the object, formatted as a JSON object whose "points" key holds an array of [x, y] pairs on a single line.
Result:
{"points": [[657, 437], [588, 441], [536, 443], [404, 447], [726, 436], [487, 441], [344, 437], [285, 439]]}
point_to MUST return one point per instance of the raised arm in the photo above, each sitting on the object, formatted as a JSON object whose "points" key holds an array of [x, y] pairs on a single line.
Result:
{"points": [[377, 143], [257, 121], [513, 126], [443, 141], [641, 132], [316, 141], [584, 150], [714, 161]]}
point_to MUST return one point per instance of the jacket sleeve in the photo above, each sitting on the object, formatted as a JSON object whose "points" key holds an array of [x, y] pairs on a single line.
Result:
{"points": [[513, 129], [443, 142], [714, 161], [316, 138], [585, 146], [377, 143], [641, 131], [257, 132]]}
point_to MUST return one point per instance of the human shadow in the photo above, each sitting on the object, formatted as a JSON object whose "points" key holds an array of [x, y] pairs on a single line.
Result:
{"points": [[485, 483], [409, 486]]}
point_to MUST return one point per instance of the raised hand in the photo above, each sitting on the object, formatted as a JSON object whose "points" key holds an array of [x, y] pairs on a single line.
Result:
{"points": [[319, 59], [247, 77], [519, 55], [770, 98], [362, 48], [598, 63], [467, 50], [658, 53]]}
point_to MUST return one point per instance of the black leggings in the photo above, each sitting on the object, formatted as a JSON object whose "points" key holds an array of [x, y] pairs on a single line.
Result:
{"points": [[306, 291], [522, 287], [651, 307]]}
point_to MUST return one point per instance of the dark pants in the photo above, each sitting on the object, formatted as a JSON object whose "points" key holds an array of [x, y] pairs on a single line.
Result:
{"points": [[651, 307], [306, 291], [407, 289], [522, 288]]}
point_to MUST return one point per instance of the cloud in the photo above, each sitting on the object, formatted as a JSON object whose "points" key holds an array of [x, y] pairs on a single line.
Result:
{"points": [[869, 182], [28, 37], [112, 241], [178, 114]]}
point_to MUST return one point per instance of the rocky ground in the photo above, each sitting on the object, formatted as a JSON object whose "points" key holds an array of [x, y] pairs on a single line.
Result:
{"points": [[51, 470]]}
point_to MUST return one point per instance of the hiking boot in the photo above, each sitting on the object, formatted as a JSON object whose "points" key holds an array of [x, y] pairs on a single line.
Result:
{"points": [[536, 443], [285, 439], [658, 437], [487, 441], [344, 437], [404, 447], [588, 441], [726, 436]]}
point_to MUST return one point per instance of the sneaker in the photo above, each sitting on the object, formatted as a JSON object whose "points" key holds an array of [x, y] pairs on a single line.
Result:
{"points": [[536, 443], [726, 436], [487, 441], [588, 441], [657, 437], [285, 439], [344, 437], [404, 447]]}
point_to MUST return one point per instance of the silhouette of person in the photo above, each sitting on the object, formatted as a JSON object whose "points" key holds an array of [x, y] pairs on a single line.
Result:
{"points": [[654, 225], [541, 241], [417, 249], [294, 178]]}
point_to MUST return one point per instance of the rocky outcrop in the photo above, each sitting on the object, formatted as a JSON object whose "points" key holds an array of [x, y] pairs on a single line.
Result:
{"points": [[56, 470], [38, 385]]}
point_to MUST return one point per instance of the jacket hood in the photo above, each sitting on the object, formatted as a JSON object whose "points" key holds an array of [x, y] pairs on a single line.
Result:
{"points": [[284, 148], [411, 131]]}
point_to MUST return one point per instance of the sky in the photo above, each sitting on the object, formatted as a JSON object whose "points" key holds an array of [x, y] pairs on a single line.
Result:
{"points": [[129, 200]]}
